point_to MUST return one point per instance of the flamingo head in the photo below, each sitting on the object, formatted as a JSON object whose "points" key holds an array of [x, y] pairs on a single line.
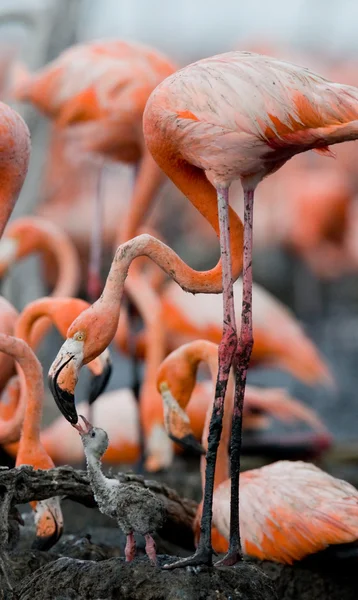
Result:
{"points": [[77, 350], [177, 423], [49, 523]]}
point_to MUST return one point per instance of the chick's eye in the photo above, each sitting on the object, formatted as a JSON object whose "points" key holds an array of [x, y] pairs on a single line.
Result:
{"points": [[93, 434]]}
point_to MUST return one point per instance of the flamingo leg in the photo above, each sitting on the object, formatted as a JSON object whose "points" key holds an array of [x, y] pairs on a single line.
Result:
{"points": [[135, 366], [94, 285], [150, 549], [136, 382], [227, 350], [241, 363], [129, 550]]}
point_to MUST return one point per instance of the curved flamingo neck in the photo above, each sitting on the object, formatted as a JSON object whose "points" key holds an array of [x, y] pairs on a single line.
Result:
{"points": [[54, 243], [10, 426], [192, 355], [185, 362], [29, 317], [144, 245], [30, 373], [69, 275], [209, 354], [60, 311], [194, 184]]}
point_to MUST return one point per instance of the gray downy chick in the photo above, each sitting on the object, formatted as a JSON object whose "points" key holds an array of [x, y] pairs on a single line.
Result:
{"points": [[136, 509]]}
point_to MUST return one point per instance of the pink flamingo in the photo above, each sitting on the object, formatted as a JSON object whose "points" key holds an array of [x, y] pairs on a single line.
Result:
{"points": [[48, 515], [97, 92], [239, 116]]}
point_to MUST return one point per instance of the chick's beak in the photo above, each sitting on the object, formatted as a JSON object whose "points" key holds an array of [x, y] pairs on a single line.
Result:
{"points": [[49, 523], [62, 379], [84, 429], [101, 369]]}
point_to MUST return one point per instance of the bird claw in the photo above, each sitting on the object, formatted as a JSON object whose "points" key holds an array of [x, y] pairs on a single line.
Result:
{"points": [[230, 559], [199, 559]]}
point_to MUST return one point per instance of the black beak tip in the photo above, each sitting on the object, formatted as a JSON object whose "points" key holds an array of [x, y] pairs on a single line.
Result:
{"points": [[189, 442], [64, 400], [99, 383], [46, 542]]}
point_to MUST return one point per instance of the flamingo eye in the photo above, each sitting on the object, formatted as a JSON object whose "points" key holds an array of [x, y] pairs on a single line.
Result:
{"points": [[79, 337]]}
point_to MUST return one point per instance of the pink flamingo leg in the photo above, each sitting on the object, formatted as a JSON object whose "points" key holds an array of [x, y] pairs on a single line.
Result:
{"points": [[94, 285], [130, 547], [150, 549], [227, 350], [241, 362]]}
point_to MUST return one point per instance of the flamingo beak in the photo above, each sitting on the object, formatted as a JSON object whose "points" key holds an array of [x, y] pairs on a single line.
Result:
{"points": [[177, 423], [83, 430], [62, 379], [49, 523], [101, 368]]}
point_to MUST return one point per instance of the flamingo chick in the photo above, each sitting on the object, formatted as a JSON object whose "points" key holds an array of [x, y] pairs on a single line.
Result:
{"points": [[136, 509]]}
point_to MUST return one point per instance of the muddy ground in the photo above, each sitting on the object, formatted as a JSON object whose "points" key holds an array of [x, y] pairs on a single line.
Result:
{"points": [[88, 563]]}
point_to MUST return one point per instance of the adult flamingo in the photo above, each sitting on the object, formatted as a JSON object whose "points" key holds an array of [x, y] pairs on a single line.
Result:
{"points": [[99, 90], [48, 515], [294, 521], [239, 116], [234, 116]]}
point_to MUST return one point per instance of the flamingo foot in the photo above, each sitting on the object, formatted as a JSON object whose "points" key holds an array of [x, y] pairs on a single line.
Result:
{"points": [[202, 557], [230, 559], [130, 547], [151, 549]]}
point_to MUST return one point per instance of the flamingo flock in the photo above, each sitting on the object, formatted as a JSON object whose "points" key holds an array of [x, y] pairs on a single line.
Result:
{"points": [[235, 117]]}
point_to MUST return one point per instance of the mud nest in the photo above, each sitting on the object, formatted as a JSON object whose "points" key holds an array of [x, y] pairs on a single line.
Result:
{"points": [[87, 563]]}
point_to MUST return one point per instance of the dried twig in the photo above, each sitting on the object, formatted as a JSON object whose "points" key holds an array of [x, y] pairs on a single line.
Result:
{"points": [[24, 484]]}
